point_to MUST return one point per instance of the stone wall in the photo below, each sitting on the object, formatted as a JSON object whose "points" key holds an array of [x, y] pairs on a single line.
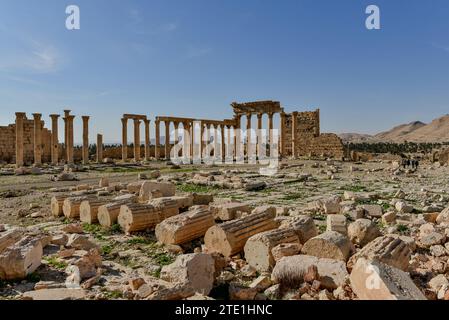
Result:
{"points": [[309, 138], [8, 142]]}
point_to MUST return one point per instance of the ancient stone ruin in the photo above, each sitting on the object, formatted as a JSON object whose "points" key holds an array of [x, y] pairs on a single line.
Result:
{"points": [[28, 141]]}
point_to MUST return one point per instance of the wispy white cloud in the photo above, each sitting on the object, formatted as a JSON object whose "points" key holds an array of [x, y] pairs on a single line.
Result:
{"points": [[33, 57], [137, 24], [197, 51], [441, 47]]}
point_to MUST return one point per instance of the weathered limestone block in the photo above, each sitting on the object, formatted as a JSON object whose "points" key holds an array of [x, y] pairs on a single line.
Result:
{"points": [[229, 211], [56, 205], [443, 217], [304, 227], [20, 259], [138, 217], [330, 244], [290, 271], [71, 206], [337, 222], [363, 231], [195, 270], [331, 205], [108, 213], [373, 280], [183, 202], [9, 237], [387, 249], [80, 242], [230, 237], [258, 247], [167, 189], [373, 210], [134, 187], [56, 294], [285, 250], [89, 210], [202, 199], [185, 227]]}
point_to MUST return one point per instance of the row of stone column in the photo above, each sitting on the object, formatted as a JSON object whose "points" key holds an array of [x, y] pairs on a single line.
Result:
{"points": [[259, 140], [137, 153], [68, 139]]}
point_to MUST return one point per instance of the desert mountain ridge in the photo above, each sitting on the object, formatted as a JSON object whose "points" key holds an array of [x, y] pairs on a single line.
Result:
{"points": [[416, 131]]}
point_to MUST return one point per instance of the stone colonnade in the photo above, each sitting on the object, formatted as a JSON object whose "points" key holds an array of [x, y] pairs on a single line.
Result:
{"points": [[137, 120], [37, 138]]}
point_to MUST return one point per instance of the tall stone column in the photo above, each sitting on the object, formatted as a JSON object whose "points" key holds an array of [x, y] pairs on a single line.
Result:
{"points": [[270, 131], [202, 138], [186, 141], [294, 134], [238, 139], [229, 146], [223, 145], [147, 139], [124, 139], [282, 134], [85, 139], [99, 148], [70, 159], [167, 139], [20, 116], [157, 144], [66, 131], [54, 139], [216, 144], [37, 139], [248, 135], [192, 140], [136, 140], [176, 139], [259, 135]]}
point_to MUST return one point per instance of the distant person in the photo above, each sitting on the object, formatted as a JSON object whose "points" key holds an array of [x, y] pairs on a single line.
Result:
{"points": [[403, 163]]}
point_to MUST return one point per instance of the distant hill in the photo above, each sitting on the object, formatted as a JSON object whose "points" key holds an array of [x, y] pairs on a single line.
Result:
{"points": [[398, 133], [417, 131]]}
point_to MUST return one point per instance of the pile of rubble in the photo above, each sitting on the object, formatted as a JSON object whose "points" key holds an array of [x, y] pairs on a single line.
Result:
{"points": [[369, 246]]}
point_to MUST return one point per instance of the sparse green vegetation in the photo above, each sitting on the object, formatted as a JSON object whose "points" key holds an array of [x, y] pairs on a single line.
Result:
{"points": [[292, 196], [56, 263], [355, 188], [189, 187], [402, 228]]}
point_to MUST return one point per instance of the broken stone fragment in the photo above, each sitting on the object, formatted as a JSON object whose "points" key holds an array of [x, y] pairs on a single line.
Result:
{"points": [[373, 210], [285, 250], [21, 258], [80, 242], [195, 270], [56, 294], [388, 249], [373, 280], [229, 211], [293, 270], [338, 223], [363, 231], [331, 244]]}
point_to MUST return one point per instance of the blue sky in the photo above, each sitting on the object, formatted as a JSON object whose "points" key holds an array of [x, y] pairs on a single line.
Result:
{"points": [[194, 57]]}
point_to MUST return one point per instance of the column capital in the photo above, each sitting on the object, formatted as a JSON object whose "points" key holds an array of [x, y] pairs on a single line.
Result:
{"points": [[85, 118], [249, 115], [295, 113], [70, 117], [270, 114], [147, 121], [20, 114], [54, 116], [259, 115], [37, 116]]}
